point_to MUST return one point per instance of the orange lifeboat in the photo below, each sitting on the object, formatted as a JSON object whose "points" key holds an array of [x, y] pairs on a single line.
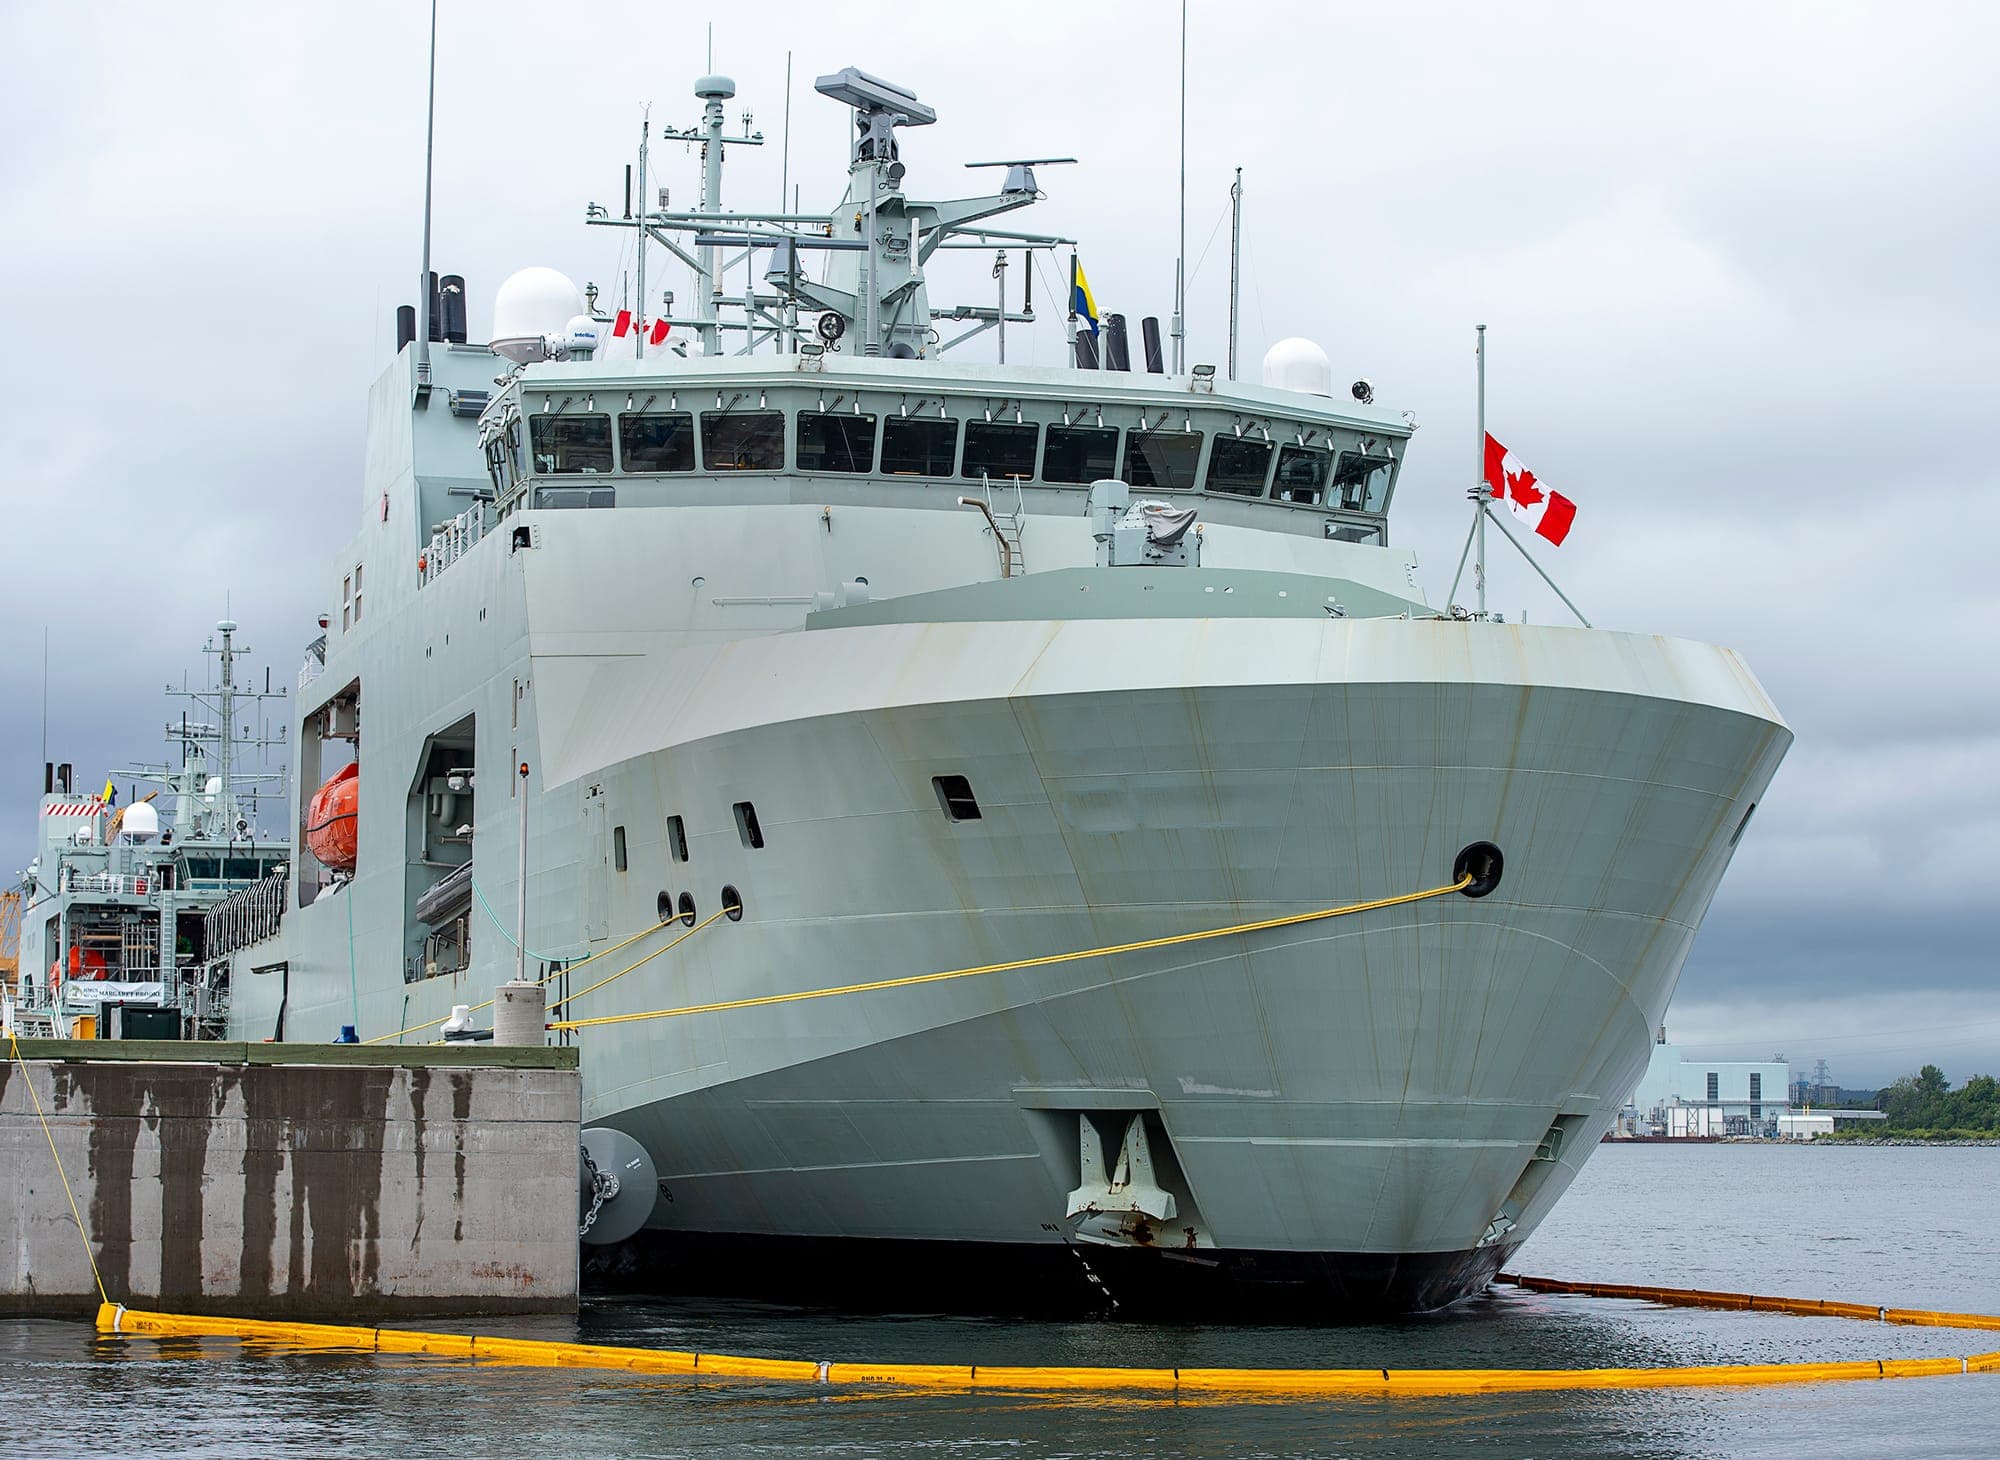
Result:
{"points": [[330, 829]]}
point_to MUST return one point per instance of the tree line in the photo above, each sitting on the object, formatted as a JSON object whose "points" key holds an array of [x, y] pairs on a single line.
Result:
{"points": [[1925, 1105]]}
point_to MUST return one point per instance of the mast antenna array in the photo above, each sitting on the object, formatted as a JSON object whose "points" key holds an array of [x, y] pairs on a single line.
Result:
{"points": [[877, 240]]}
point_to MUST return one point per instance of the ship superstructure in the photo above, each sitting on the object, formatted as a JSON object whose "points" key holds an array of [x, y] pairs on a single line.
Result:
{"points": [[130, 912], [905, 665]]}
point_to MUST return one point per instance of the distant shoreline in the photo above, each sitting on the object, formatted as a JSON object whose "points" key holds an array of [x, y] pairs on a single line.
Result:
{"points": [[1905, 1141]]}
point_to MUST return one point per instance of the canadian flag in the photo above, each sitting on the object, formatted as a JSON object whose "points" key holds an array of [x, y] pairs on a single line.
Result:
{"points": [[1548, 512], [624, 325]]}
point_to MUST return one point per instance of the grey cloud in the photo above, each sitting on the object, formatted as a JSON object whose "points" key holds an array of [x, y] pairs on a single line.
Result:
{"points": [[1741, 299]]}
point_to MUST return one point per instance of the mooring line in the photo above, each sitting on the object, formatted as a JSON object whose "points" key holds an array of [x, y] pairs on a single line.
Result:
{"points": [[763, 1000], [28, 1079], [543, 980]]}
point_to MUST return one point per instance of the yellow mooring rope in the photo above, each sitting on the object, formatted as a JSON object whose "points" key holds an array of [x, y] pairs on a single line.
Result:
{"points": [[613, 978], [28, 1079], [543, 980], [1291, 920], [1186, 1384]]}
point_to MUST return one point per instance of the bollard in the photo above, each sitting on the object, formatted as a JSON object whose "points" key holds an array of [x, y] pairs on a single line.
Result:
{"points": [[520, 1013]]}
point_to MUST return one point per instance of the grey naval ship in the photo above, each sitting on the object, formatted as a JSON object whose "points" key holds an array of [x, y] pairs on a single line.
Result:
{"points": [[771, 608]]}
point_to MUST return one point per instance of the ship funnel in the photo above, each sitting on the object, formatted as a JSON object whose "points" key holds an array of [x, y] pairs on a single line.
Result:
{"points": [[406, 325], [451, 296], [1149, 333], [1117, 352], [1086, 350]]}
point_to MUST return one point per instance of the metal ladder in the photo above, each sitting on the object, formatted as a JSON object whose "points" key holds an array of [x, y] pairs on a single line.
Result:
{"points": [[1007, 523]]}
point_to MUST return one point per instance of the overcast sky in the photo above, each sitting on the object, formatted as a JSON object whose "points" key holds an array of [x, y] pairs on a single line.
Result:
{"points": [[1738, 264]]}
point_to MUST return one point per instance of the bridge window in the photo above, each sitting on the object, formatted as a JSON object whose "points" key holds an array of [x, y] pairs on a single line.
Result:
{"points": [[918, 446], [834, 441], [564, 445], [1238, 467], [999, 450], [656, 443], [1301, 475], [1361, 481], [1162, 461], [1080, 454], [743, 440]]}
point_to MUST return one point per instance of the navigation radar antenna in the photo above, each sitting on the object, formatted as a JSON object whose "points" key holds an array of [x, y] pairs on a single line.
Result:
{"points": [[880, 107]]}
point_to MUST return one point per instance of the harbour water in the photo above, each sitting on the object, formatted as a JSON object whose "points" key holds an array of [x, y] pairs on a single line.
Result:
{"points": [[1915, 1227]]}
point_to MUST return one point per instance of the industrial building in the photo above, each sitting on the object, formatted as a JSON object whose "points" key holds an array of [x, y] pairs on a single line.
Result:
{"points": [[1706, 1099], [1805, 1125]]}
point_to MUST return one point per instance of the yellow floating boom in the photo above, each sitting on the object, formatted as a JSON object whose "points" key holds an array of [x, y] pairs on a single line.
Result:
{"points": [[1265, 1383]]}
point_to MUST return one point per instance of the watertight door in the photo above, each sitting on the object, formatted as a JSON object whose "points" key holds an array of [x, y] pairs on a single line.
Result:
{"points": [[594, 867]]}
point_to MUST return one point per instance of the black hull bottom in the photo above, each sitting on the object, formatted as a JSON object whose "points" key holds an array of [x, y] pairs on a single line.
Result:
{"points": [[1043, 1280]]}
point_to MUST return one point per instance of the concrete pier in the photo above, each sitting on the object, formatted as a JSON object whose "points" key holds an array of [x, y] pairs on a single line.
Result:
{"points": [[291, 1180]]}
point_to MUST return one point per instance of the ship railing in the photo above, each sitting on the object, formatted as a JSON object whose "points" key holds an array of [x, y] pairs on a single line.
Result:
{"points": [[453, 539], [114, 884], [314, 664], [247, 916]]}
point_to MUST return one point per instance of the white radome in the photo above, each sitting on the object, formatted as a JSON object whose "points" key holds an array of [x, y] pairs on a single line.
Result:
{"points": [[531, 305], [1298, 364], [141, 820]]}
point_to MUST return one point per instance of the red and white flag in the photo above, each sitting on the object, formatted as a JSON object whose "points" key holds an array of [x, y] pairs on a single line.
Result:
{"points": [[623, 325], [1548, 512]]}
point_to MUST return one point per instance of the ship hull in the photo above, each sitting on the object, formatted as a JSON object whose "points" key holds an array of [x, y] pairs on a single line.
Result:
{"points": [[887, 1275], [1331, 1119], [1351, 1116]]}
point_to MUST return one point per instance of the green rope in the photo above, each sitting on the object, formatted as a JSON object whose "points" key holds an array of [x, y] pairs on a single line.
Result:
{"points": [[353, 984], [511, 941]]}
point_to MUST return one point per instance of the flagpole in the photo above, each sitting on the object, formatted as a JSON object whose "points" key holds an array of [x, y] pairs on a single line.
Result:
{"points": [[1479, 476]]}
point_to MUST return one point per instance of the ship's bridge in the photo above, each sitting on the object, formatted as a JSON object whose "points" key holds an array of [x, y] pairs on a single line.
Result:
{"points": [[668, 431]]}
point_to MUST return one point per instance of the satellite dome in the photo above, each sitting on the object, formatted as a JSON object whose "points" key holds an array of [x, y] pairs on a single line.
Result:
{"points": [[580, 337], [531, 305], [1298, 364], [141, 821]]}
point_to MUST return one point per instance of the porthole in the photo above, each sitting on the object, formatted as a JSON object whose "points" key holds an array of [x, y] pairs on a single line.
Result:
{"points": [[1481, 862], [687, 908], [732, 904], [664, 907]]}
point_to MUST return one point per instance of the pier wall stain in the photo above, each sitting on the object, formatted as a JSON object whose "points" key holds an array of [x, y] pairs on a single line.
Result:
{"points": [[290, 1188]]}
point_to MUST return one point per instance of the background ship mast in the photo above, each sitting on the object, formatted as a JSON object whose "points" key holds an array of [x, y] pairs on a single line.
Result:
{"points": [[215, 800]]}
